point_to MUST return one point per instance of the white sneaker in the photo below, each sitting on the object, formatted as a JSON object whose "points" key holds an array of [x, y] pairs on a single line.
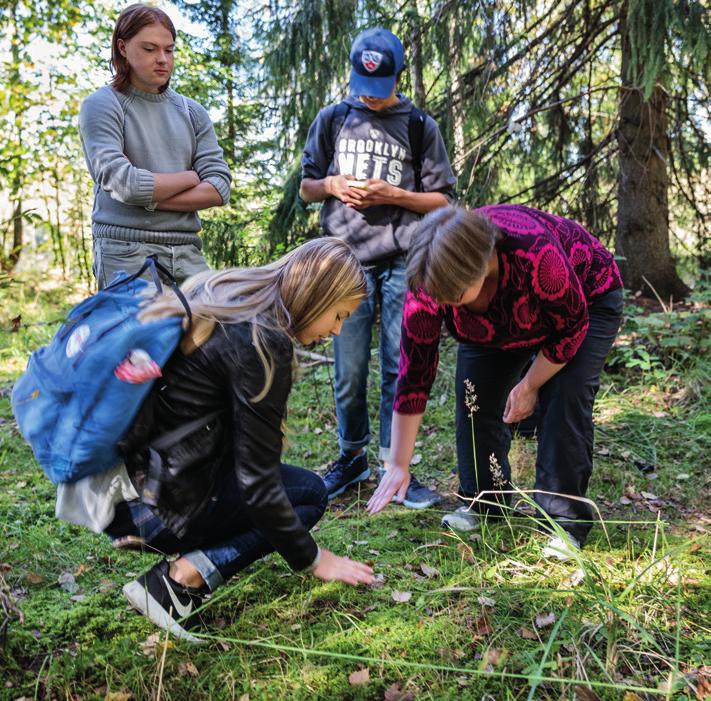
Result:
{"points": [[562, 549], [463, 519]]}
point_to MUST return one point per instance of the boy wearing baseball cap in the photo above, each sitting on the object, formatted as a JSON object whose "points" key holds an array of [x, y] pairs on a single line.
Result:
{"points": [[378, 164]]}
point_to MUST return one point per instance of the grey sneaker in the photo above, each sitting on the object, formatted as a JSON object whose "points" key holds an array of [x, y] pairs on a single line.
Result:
{"points": [[417, 496], [561, 549], [463, 519]]}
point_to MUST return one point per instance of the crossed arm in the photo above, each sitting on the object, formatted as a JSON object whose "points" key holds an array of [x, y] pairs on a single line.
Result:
{"points": [[183, 192]]}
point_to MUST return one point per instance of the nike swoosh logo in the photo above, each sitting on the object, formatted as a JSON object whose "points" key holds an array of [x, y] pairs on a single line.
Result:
{"points": [[181, 609]]}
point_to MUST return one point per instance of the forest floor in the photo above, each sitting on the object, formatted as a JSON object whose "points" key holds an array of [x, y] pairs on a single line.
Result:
{"points": [[481, 616]]}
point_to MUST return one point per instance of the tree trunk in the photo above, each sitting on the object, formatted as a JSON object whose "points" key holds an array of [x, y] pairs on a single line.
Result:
{"points": [[17, 180], [418, 83], [643, 208], [456, 98], [17, 235], [228, 60]]}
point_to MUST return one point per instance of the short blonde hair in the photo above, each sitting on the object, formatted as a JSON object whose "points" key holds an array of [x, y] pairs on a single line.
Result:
{"points": [[450, 250], [286, 295]]}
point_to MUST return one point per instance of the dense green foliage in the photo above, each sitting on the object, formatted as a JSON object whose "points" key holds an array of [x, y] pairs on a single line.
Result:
{"points": [[528, 97]]}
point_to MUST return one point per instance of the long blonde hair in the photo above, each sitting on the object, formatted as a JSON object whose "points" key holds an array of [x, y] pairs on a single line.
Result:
{"points": [[450, 249], [286, 295]]}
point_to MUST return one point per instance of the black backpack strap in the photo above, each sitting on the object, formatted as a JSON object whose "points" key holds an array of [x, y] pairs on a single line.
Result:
{"points": [[416, 134], [336, 119], [168, 440]]}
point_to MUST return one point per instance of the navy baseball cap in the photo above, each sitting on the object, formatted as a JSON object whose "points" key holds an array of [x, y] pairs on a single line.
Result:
{"points": [[376, 57]]}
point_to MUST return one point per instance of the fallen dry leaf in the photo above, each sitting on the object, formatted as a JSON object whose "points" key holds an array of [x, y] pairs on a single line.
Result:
{"points": [[631, 696], [482, 626], [703, 689], [486, 601], [394, 693], [187, 669], [429, 571], [527, 633], [362, 676], [585, 693], [625, 500], [574, 580], [495, 655], [34, 578], [378, 581], [545, 620], [118, 696], [451, 654], [466, 553], [401, 597], [153, 645], [67, 582], [416, 459], [649, 495]]}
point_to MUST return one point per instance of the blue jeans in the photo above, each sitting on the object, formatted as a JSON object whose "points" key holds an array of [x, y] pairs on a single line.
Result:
{"points": [[564, 461], [386, 285], [221, 540]]}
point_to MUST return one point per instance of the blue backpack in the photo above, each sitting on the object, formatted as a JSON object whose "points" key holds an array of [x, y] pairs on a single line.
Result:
{"points": [[80, 394]]}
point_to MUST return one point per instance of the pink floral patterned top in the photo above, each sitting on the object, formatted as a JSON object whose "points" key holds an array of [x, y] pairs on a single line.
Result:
{"points": [[550, 269]]}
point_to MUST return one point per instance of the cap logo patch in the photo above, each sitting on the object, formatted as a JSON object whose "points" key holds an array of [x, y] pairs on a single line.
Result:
{"points": [[371, 60]]}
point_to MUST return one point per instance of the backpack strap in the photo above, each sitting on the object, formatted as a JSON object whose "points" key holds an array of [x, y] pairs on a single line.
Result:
{"points": [[416, 134], [336, 119], [151, 263], [168, 440]]}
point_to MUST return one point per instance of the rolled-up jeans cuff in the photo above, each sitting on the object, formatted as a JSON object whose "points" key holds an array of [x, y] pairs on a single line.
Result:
{"points": [[206, 568], [353, 446]]}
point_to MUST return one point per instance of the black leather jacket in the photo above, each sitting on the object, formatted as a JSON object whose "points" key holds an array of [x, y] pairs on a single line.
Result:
{"points": [[222, 376]]}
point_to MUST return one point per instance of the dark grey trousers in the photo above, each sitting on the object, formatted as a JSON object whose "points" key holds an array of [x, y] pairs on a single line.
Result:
{"points": [[565, 425]]}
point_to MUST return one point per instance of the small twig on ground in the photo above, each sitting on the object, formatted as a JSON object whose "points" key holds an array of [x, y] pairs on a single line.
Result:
{"points": [[310, 355]]}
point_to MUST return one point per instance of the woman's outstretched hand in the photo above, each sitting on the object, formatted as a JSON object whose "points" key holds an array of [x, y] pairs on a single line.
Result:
{"points": [[521, 403], [332, 568], [395, 481]]}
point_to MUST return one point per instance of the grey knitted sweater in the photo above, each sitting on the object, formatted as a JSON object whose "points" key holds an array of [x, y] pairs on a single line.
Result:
{"points": [[129, 136]]}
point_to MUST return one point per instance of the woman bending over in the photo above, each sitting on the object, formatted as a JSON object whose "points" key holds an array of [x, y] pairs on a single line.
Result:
{"points": [[508, 280]]}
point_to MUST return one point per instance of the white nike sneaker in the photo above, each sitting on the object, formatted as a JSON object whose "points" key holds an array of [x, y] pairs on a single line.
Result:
{"points": [[562, 549], [168, 604], [463, 519]]}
